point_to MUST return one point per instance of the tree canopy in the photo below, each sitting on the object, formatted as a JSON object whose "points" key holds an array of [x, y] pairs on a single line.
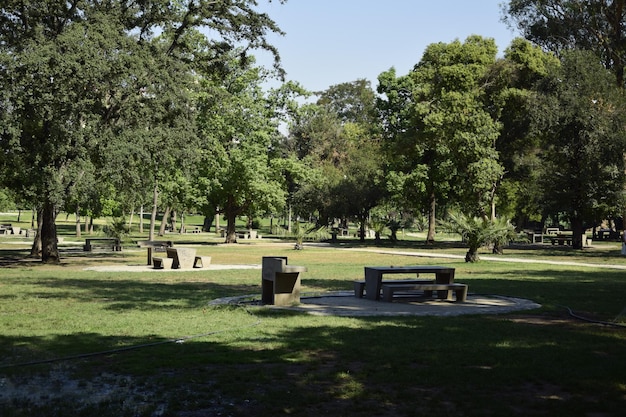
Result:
{"points": [[76, 73], [580, 117], [562, 25], [445, 142]]}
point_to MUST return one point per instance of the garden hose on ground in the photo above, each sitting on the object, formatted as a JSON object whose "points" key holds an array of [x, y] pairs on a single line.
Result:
{"points": [[588, 320]]}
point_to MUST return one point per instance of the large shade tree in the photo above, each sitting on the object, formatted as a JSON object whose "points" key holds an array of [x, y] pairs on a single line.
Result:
{"points": [[580, 116], [238, 129], [443, 139], [510, 85], [69, 70], [561, 25], [338, 137]]}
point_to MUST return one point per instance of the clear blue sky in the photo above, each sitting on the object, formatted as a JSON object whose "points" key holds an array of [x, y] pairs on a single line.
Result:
{"points": [[328, 42]]}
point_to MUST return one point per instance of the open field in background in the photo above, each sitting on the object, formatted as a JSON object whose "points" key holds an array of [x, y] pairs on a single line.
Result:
{"points": [[247, 360]]}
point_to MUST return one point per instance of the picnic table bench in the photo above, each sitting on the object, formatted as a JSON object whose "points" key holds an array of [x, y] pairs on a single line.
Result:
{"points": [[201, 261], [359, 285], [460, 290], [159, 262], [112, 243]]}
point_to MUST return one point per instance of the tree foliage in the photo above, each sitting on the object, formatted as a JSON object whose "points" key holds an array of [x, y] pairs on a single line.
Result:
{"points": [[74, 74], [580, 116], [445, 142], [238, 130], [511, 90], [478, 231], [561, 25]]}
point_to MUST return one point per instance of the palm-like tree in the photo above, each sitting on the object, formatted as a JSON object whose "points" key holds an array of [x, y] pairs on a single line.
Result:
{"points": [[477, 232]]}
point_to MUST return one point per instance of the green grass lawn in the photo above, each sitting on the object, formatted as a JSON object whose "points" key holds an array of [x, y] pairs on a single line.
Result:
{"points": [[79, 342]]}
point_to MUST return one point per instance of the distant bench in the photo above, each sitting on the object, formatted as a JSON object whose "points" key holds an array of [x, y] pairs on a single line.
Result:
{"points": [[248, 234], [111, 243], [561, 240]]}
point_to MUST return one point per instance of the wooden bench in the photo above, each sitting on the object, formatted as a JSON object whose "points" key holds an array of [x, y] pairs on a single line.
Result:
{"points": [[201, 261], [112, 243], [359, 286], [162, 263], [460, 290]]}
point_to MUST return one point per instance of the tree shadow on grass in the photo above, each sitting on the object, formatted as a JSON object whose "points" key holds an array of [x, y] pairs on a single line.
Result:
{"points": [[599, 293], [357, 367], [137, 294]]}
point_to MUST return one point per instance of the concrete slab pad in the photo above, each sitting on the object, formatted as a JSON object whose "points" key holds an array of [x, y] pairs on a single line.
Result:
{"points": [[343, 303]]}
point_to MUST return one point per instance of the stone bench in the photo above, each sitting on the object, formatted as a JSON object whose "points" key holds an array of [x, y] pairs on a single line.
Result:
{"points": [[460, 290], [359, 285], [162, 263], [280, 283], [201, 261]]}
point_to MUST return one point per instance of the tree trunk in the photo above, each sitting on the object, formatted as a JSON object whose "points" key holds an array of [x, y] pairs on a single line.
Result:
{"points": [[141, 219], [155, 201], [231, 233], [173, 219], [182, 223], [164, 221], [49, 247], [362, 220], [35, 250], [206, 224], [130, 220], [78, 225], [430, 238], [231, 218], [471, 255], [289, 220], [578, 231]]}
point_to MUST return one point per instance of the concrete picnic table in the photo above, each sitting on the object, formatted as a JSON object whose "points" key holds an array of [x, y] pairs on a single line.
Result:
{"points": [[183, 257], [374, 276]]}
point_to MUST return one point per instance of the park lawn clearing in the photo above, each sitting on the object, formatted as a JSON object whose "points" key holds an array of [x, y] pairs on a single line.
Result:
{"points": [[146, 344]]}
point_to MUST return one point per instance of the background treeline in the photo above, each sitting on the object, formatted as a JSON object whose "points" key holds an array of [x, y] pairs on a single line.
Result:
{"points": [[109, 108]]}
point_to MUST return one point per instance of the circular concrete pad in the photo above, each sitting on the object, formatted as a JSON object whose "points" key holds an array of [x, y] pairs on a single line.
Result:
{"points": [[346, 304]]}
